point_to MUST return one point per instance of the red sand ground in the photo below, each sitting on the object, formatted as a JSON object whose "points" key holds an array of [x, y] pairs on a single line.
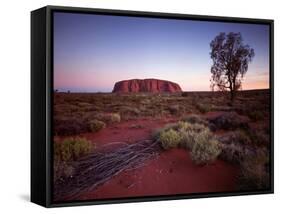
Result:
{"points": [[126, 132], [172, 172]]}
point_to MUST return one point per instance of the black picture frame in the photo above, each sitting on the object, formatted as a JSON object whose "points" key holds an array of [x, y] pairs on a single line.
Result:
{"points": [[42, 93]]}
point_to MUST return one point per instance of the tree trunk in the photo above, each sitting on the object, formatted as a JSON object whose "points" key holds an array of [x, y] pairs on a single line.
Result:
{"points": [[232, 96]]}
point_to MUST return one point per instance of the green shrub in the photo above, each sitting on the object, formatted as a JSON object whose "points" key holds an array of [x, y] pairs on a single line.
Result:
{"points": [[96, 125], [191, 127], [187, 139], [185, 126], [180, 127], [189, 133], [157, 132], [169, 139], [65, 152], [205, 150], [71, 149], [195, 137]]}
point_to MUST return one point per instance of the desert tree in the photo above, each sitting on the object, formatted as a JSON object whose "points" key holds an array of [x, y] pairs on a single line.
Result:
{"points": [[230, 62]]}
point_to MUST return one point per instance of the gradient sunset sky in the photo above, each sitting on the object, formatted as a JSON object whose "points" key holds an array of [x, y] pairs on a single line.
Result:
{"points": [[92, 52]]}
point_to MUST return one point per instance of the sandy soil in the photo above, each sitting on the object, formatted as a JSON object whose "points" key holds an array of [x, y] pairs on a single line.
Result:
{"points": [[172, 172]]}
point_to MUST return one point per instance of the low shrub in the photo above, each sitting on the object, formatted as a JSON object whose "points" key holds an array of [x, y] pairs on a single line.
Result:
{"points": [[126, 110], [96, 125], [229, 121], [65, 152], [254, 173], [259, 136], [180, 126], [62, 170], [115, 118], [232, 153], [104, 117], [194, 118], [174, 109], [195, 137], [235, 137], [205, 150], [190, 133], [188, 139], [234, 146], [203, 108], [169, 139], [71, 149], [66, 127], [157, 132], [185, 126]]}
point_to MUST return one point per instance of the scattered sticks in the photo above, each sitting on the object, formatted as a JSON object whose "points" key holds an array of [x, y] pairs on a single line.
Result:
{"points": [[100, 167]]}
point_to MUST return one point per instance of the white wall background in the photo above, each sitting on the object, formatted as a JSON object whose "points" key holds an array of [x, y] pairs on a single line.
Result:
{"points": [[15, 105]]}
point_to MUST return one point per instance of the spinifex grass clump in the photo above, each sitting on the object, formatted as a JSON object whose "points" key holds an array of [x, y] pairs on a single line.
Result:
{"points": [[195, 137], [170, 139], [65, 152], [205, 149], [96, 125], [71, 149]]}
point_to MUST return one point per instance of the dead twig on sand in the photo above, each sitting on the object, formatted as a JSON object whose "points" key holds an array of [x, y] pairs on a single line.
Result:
{"points": [[99, 167]]}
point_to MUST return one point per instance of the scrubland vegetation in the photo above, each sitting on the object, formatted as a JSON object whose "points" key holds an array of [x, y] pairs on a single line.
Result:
{"points": [[207, 127], [73, 111], [195, 137], [67, 151]]}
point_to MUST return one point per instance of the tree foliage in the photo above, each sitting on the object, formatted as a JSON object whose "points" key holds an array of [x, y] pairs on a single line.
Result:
{"points": [[230, 62]]}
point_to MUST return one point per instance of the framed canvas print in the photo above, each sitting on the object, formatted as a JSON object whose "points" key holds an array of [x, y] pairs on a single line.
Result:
{"points": [[140, 106]]}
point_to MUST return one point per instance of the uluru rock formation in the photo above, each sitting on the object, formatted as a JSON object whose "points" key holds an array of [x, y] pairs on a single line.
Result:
{"points": [[146, 85]]}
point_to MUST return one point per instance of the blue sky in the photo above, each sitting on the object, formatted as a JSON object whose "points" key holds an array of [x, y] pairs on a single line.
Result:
{"points": [[92, 52]]}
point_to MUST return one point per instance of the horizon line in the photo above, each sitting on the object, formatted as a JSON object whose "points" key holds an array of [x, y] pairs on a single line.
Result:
{"points": [[103, 92]]}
